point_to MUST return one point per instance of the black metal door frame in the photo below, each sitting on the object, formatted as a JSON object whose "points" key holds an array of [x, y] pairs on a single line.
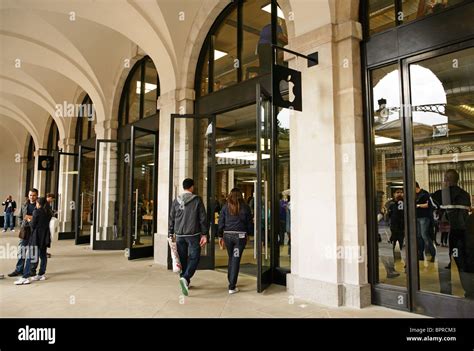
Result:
{"points": [[208, 261], [80, 239], [147, 251]]}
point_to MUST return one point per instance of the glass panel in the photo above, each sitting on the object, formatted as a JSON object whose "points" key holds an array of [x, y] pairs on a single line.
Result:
{"points": [[236, 167], [381, 15], [413, 9], [225, 53], [134, 96], [388, 166], [283, 187], [86, 195], [203, 89], [265, 198], [111, 174], [151, 89], [443, 129], [143, 195], [67, 181]]}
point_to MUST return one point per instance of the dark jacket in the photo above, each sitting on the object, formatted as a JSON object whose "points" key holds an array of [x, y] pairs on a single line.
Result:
{"points": [[24, 211], [241, 223], [188, 216], [40, 235], [456, 202], [13, 208]]}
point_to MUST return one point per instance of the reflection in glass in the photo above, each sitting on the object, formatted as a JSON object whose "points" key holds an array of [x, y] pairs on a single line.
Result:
{"points": [[65, 197], [388, 164], [284, 230], [134, 91], [143, 197], [225, 53], [86, 196], [381, 15], [443, 130], [414, 9], [151, 89]]}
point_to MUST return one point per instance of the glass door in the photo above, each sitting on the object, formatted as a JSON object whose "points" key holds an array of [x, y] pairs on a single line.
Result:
{"points": [[441, 184], [263, 209], [192, 155], [64, 203], [143, 191], [110, 205], [85, 194]]}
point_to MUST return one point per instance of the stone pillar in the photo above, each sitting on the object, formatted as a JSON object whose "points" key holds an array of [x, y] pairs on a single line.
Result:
{"points": [[329, 250], [108, 163], [176, 101], [65, 196]]}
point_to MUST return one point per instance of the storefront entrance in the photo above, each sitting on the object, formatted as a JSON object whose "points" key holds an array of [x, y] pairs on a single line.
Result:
{"points": [[220, 152]]}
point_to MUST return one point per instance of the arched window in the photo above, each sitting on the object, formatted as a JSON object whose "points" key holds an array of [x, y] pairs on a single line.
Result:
{"points": [[238, 46], [140, 93], [86, 120]]}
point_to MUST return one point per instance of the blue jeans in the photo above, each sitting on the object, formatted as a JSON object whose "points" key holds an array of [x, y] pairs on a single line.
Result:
{"points": [[235, 248], [32, 262], [22, 245], [423, 237], [8, 221], [189, 253]]}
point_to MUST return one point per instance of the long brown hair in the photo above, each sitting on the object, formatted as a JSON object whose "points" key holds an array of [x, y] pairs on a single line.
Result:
{"points": [[234, 201]]}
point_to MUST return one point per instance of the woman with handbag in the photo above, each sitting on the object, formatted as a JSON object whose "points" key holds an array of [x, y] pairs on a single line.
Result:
{"points": [[39, 241], [235, 224]]}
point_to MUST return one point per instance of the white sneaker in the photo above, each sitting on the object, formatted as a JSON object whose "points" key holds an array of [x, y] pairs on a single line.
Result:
{"points": [[13, 230], [4, 231], [22, 281], [39, 277], [234, 291]]}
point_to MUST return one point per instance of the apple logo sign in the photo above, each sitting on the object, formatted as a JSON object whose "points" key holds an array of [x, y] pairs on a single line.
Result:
{"points": [[45, 164], [286, 89]]}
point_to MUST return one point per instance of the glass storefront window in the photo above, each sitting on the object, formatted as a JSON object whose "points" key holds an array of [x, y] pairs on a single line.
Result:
{"points": [[381, 15], [143, 80], [225, 53], [389, 170], [414, 9], [442, 108], [151, 89], [134, 91], [247, 21]]}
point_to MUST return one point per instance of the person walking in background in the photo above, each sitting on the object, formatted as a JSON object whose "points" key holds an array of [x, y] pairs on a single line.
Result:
{"points": [[188, 223], [423, 224], [235, 224], [39, 241], [9, 212]]}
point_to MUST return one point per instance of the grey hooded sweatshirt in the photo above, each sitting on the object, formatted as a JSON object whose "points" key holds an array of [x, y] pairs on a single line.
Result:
{"points": [[188, 216]]}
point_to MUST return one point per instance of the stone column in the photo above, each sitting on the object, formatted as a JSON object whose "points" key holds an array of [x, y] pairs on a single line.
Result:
{"points": [[329, 264], [65, 196], [176, 101]]}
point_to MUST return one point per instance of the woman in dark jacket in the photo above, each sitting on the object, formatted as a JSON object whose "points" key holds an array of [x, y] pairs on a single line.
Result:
{"points": [[39, 241], [235, 224]]}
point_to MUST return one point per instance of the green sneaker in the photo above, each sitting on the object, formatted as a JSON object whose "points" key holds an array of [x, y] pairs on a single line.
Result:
{"points": [[184, 286]]}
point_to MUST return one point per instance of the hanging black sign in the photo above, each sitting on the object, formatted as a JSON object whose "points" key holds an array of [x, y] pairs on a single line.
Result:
{"points": [[46, 163], [287, 88]]}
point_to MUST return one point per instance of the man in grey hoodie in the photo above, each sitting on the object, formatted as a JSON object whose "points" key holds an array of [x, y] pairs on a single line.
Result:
{"points": [[188, 222]]}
